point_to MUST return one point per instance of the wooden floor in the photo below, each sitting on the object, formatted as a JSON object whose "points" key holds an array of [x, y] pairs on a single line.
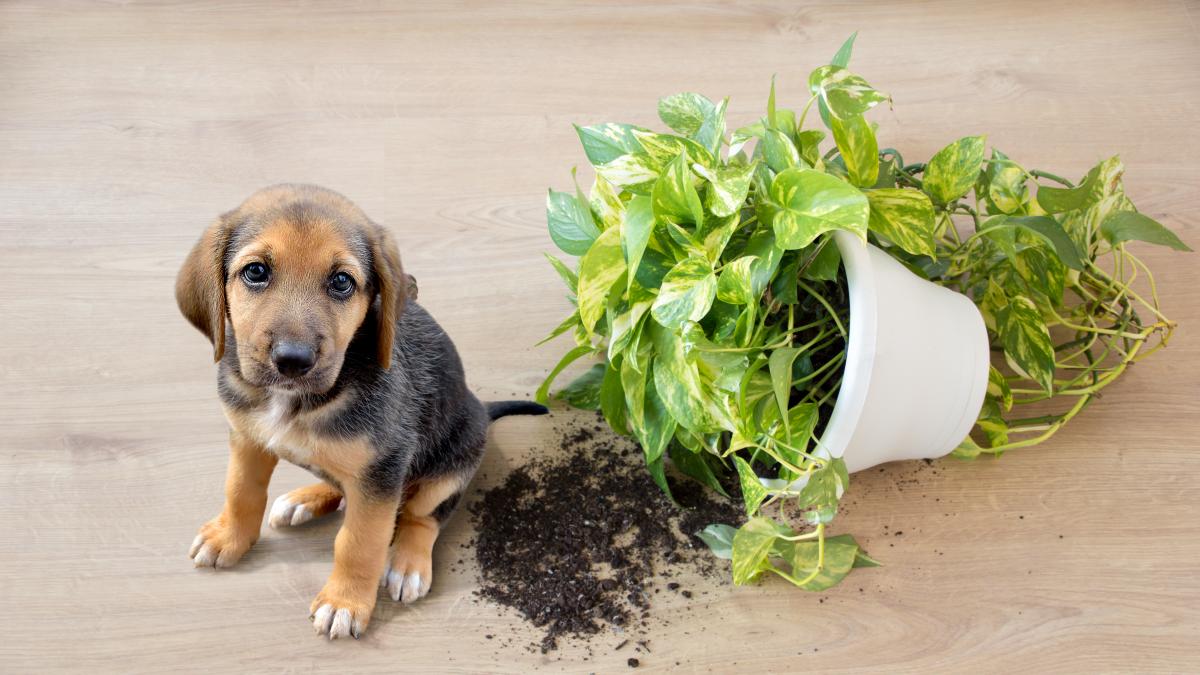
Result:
{"points": [[125, 127]]}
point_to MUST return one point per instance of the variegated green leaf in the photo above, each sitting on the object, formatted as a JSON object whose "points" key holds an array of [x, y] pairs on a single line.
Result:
{"points": [[812, 202], [602, 143], [753, 492], [678, 382], [675, 197], [686, 293], [584, 391], [606, 203], [657, 424], [843, 92], [995, 428], [696, 117], [954, 169], [624, 326], [712, 133], [727, 187], [1026, 340], [1045, 228], [968, 449], [612, 398], [743, 135], [802, 420], [859, 150], [719, 538], [824, 265], [543, 393], [599, 269], [715, 234], [635, 370], [904, 217], [569, 278], [763, 247], [1101, 180], [636, 226], [842, 57], [663, 148], [803, 556], [570, 222], [808, 142], [686, 112], [779, 151], [780, 364], [752, 544], [734, 285], [998, 388], [1123, 226], [1005, 183], [825, 486], [566, 325], [636, 172]]}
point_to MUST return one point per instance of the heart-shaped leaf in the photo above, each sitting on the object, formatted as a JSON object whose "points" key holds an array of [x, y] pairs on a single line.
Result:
{"points": [[1122, 226], [570, 221], [953, 170], [904, 217], [599, 269], [811, 202], [686, 293]]}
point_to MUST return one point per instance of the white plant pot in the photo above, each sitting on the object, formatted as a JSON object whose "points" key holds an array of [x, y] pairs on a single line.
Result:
{"points": [[916, 364]]}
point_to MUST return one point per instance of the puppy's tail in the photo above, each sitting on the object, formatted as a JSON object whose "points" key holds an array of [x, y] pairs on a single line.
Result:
{"points": [[498, 409]]}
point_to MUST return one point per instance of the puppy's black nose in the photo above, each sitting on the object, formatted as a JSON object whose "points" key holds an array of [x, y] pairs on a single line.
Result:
{"points": [[293, 359]]}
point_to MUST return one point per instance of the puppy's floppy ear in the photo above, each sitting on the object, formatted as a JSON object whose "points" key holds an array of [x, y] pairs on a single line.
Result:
{"points": [[200, 286], [392, 285]]}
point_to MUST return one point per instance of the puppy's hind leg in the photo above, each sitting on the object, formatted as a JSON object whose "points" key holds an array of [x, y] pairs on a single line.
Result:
{"points": [[303, 504], [410, 571]]}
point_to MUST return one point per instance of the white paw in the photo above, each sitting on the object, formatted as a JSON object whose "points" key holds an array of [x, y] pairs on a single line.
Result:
{"points": [[284, 513], [406, 588], [214, 550], [202, 553], [336, 623]]}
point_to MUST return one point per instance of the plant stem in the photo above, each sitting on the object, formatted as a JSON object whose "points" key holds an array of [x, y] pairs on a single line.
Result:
{"points": [[1037, 173], [821, 299], [804, 113]]}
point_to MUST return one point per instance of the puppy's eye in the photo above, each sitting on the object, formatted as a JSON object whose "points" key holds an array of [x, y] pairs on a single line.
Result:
{"points": [[341, 285], [256, 274]]}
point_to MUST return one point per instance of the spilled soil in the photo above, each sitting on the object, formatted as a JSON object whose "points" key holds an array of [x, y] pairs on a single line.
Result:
{"points": [[581, 543]]}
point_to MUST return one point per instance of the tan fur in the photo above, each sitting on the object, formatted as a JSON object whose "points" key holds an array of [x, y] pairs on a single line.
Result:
{"points": [[341, 459], [198, 288], [429, 494], [416, 533], [319, 498], [232, 532], [359, 553], [301, 258], [394, 289]]}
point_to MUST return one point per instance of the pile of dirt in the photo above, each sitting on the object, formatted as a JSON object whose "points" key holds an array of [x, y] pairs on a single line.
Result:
{"points": [[578, 543]]}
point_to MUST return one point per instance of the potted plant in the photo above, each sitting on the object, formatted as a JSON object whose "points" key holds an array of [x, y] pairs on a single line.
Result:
{"points": [[773, 314]]}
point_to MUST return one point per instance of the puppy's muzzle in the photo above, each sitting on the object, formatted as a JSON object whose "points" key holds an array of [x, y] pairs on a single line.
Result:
{"points": [[293, 359]]}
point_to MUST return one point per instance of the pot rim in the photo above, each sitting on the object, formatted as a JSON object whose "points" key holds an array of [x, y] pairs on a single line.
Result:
{"points": [[860, 346]]}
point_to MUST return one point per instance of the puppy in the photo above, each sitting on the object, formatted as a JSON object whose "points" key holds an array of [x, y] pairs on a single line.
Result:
{"points": [[325, 361]]}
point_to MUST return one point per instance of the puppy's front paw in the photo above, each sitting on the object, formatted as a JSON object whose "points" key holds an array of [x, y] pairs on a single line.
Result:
{"points": [[339, 615], [219, 544]]}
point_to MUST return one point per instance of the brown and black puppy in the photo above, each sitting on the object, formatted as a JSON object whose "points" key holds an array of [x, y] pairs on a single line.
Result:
{"points": [[325, 361]]}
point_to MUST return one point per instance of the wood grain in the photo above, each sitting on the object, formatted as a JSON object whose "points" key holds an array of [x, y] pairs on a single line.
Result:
{"points": [[124, 127]]}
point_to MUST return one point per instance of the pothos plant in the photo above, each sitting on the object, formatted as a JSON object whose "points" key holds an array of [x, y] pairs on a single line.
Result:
{"points": [[708, 287]]}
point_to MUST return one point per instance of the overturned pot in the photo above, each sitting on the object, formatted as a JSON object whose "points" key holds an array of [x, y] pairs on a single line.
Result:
{"points": [[916, 364]]}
